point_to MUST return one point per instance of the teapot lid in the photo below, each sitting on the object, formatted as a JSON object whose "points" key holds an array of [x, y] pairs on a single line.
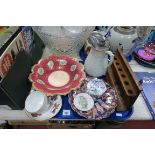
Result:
{"points": [[98, 41], [125, 30]]}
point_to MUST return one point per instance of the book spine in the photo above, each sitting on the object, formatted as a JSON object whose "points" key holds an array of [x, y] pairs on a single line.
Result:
{"points": [[148, 105]]}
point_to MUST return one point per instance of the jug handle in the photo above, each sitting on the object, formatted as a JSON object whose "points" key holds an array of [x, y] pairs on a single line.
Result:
{"points": [[111, 57]]}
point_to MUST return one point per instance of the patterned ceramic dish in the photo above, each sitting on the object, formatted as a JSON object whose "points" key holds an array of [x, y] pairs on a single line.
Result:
{"points": [[104, 105], [143, 62], [57, 75], [146, 54]]}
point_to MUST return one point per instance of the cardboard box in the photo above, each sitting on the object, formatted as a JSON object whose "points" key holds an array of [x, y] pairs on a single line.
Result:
{"points": [[14, 84]]}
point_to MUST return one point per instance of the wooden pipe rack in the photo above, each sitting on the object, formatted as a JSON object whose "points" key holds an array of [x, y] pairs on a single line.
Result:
{"points": [[122, 78]]}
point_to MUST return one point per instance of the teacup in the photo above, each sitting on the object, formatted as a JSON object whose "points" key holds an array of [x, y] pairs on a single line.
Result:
{"points": [[37, 103]]}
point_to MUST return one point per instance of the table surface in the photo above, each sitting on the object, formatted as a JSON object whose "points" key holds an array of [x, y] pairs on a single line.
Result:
{"points": [[141, 111]]}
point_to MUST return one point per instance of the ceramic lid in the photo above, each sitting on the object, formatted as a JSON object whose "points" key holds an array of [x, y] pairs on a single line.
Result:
{"points": [[98, 41], [125, 30]]}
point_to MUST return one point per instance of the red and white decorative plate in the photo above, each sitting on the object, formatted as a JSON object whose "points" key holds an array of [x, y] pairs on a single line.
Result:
{"points": [[57, 75]]}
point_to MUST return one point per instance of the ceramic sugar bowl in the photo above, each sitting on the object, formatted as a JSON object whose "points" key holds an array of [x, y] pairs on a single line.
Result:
{"points": [[122, 37], [99, 58]]}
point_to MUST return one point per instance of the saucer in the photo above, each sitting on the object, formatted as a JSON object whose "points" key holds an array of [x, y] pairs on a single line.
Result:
{"points": [[83, 102], [56, 104]]}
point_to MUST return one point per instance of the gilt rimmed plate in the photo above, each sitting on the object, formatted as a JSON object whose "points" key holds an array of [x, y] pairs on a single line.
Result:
{"points": [[57, 75]]}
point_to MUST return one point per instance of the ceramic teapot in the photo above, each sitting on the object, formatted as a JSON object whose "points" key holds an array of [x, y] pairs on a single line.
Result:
{"points": [[122, 37], [99, 58]]}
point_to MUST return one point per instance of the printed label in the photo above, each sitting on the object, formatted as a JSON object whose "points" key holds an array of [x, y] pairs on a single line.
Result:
{"points": [[119, 114], [66, 112]]}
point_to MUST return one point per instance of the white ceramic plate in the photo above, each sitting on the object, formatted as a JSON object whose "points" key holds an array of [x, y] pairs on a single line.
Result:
{"points": [[83, 102], [53, 110]]}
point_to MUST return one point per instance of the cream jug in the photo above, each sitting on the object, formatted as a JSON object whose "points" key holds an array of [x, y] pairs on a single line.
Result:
{"points": [[99, 58]]}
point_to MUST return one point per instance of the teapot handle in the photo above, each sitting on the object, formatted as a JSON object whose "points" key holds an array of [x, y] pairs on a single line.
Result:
{"points": [[111, 57]]}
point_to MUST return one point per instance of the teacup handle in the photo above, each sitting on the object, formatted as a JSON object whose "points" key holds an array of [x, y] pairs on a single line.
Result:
{"points": [[111, 57]]}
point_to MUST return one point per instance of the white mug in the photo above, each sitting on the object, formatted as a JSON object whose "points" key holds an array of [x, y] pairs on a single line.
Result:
{"points": [[37, 103]]}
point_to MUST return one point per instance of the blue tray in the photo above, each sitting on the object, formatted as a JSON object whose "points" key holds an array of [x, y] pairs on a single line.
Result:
{"points": [[66, 111]]}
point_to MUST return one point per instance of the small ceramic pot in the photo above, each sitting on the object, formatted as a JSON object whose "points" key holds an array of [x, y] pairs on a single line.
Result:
{"points": [[122, 37]]}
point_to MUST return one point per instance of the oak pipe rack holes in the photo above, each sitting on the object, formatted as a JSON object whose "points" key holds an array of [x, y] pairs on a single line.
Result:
{"points": [[123, 76], [117, 63], [130, 91], [126, 82], [120, 69], [115, 58]]}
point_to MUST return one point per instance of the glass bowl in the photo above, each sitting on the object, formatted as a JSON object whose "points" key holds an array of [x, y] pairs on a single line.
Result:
{"points": [[64, 39]]}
